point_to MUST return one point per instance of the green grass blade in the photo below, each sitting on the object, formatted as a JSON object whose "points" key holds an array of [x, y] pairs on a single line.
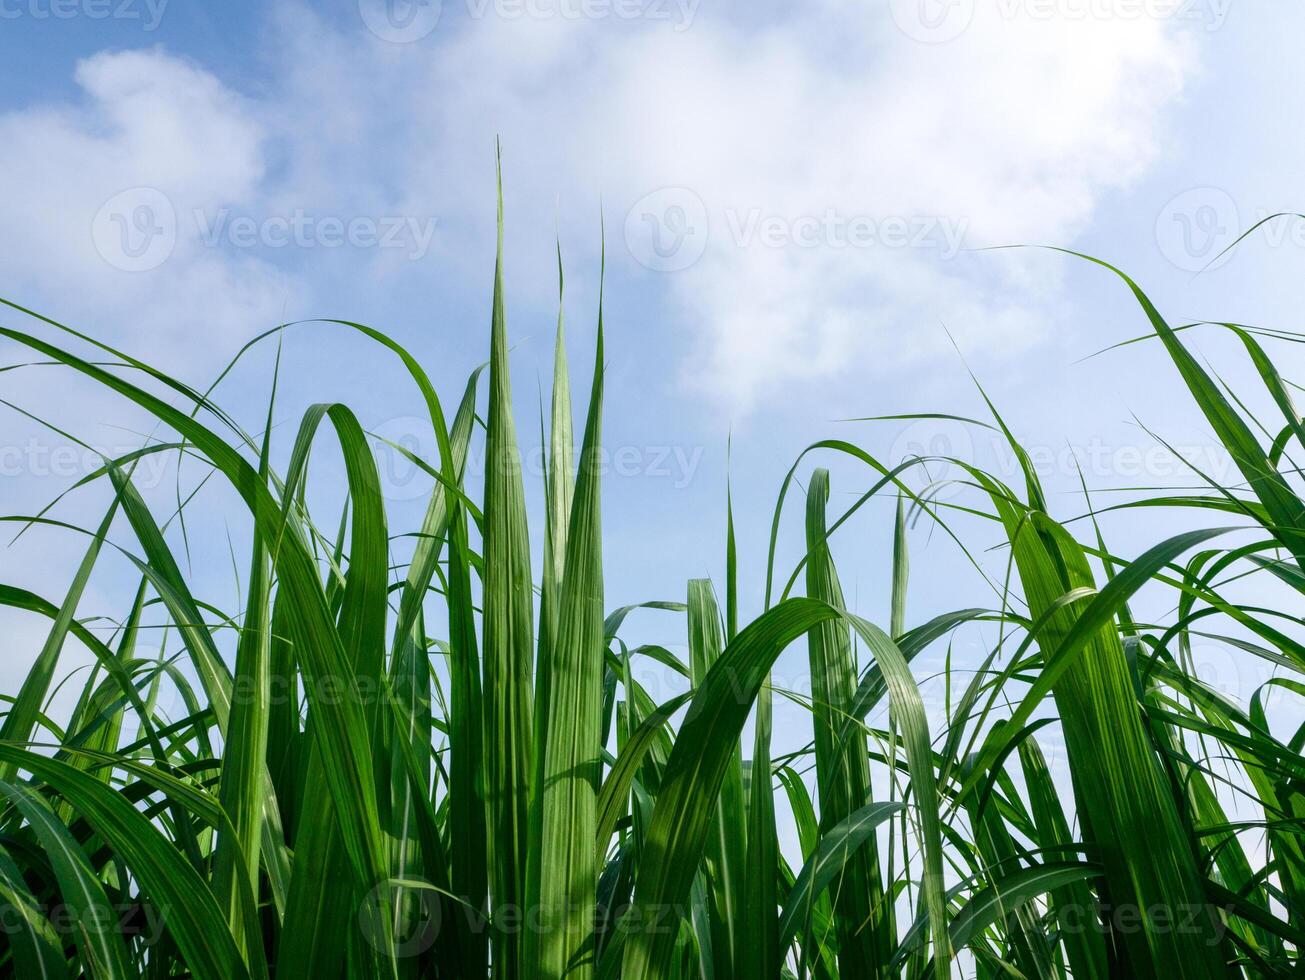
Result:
{"points": [[21, 719], [1013, 889], [559, 490], [564, 875], [686, 803], [901, 571], [829, 862], [344, 741], [866, 935], [758, 951], [1085, 949], [245, 782], [191, 914], [508, 635], [727, 848], [1284, 507], [613, 797], [1124, 801], [34, 946], [907, 707], [92, 917]]}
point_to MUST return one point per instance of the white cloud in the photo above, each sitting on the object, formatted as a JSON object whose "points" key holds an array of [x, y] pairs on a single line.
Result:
{"points": [[99, 229], [794, 138]]}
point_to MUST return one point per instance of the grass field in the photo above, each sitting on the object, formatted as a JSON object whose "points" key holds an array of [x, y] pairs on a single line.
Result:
{"points": [[423, 751]]}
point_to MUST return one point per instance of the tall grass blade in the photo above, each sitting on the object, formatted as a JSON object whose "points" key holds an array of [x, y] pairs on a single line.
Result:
{"points": [[863, 914], [570, 772], [508, 636]]}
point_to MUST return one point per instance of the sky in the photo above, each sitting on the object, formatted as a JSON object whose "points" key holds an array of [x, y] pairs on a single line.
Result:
{"points": [[796, 204]]}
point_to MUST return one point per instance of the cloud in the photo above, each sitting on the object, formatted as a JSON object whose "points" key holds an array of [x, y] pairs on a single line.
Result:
{"points": [[799, 189], [102, 230]]}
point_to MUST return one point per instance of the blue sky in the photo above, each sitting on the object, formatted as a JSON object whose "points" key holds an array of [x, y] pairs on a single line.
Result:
{"points": [[794, 199]]}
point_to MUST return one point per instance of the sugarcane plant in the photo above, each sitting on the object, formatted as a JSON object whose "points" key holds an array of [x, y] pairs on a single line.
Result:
{"points": [[425, 752]]}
